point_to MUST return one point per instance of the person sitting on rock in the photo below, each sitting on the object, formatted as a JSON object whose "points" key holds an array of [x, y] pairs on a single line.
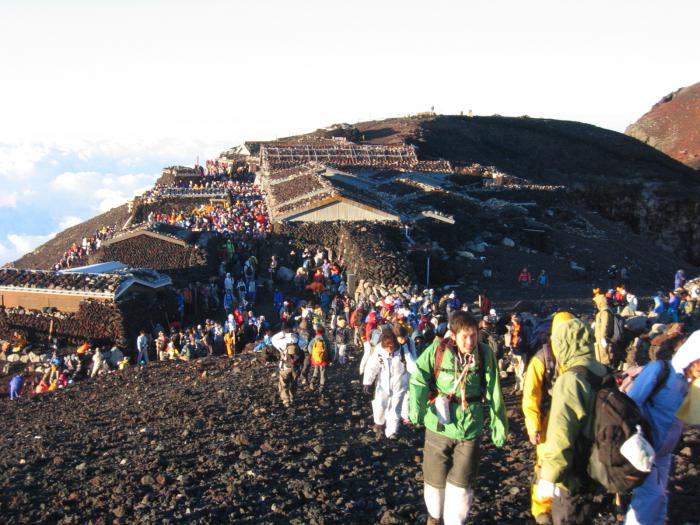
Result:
{"points": [[83, 349], [63, 380], [18, 342], [171, 351], [43, 385], [99, 363]]}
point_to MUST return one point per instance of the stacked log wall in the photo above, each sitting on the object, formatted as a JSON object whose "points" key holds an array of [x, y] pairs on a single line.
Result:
{"points": [[372, 251], [144, 251], [97, 321]]}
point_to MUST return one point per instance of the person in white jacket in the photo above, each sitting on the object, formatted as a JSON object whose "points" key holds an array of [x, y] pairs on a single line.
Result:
{"points": [[389, 364], [407, 346]]}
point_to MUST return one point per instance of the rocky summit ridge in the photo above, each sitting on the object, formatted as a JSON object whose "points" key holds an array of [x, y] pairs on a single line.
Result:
{"points": [[672, 126]]}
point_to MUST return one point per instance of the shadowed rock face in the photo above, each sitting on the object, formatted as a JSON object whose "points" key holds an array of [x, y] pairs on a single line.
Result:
{"points": [[673, 126], [597, 168]]}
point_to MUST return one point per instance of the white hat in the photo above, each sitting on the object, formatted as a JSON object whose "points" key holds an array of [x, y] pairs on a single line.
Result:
{"points": [[688, 353]]}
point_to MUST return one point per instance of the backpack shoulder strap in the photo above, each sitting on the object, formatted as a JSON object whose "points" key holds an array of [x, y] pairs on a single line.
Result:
{"points": [[582, 371], [482, 368], [544, 354], [439, 355]]}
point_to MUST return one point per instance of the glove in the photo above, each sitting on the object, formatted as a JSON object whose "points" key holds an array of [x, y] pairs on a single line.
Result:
{"points": [[366, 389]]}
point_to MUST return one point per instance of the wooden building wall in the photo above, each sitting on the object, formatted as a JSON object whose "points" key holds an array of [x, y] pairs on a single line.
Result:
{"points": [[38, 300], [340, 211]]}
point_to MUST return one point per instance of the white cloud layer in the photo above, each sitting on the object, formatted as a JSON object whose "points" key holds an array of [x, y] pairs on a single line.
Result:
{"points": [[49, 187], [22, 244], [8, 200]]}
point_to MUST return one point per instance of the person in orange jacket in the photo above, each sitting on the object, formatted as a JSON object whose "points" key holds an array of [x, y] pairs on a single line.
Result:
{"points": [[230, 343]]}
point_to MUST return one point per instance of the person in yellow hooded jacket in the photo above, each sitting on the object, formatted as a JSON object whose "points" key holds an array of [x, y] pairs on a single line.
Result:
{"points": [[565, 453], [539, 379]]}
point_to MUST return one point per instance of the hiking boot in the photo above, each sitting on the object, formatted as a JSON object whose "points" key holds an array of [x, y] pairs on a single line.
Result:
{"points": [[544, 519], [432, 521]]}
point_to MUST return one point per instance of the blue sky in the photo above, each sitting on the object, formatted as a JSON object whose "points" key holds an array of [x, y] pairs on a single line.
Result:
{"points": [[98, 96]]}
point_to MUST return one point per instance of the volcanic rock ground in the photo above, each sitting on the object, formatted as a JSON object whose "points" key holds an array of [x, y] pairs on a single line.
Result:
{"points": [[209, 442]]}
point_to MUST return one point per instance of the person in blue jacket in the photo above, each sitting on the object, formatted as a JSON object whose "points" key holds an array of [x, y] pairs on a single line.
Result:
{"points": [[649, 503], [16, 384]]}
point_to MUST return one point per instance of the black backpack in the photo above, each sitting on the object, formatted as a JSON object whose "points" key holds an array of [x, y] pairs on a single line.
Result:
{"points": [[619, 330], [616, 419]]}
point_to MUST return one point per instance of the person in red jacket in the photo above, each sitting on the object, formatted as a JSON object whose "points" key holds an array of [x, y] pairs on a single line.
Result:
{"points": [[525, 278]]}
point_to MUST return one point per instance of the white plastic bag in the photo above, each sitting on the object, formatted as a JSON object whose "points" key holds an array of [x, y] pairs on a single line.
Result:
{"points": [[638, 451], [442, 408], [547, 489]]}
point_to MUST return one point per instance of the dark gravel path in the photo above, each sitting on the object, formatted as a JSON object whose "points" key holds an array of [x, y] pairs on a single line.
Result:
{"points": [[209, 442]]}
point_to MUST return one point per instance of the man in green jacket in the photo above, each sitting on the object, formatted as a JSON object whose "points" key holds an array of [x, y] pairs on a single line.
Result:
{"points": [[447, 398], [566, 451]]}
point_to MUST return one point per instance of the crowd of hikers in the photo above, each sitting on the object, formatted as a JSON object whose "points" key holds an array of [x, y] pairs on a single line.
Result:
{"points": [[78, 252], [604, 394], [430, 360]]}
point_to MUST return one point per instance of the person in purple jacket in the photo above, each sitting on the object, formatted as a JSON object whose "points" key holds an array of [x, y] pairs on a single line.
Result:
{"points": [[649, 503], [16, 384]]}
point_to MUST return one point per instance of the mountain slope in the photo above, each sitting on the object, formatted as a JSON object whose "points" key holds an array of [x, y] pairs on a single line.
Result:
{"points": [[673, 126], [49, 253]]}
